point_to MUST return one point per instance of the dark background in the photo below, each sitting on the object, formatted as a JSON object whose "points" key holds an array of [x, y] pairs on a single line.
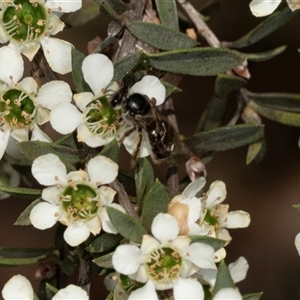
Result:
{"points": [[266, 191]]}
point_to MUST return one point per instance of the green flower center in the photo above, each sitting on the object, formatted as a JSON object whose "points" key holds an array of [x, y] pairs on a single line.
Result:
{"points": [[25, 20], [164, 265], [101, 118], [16, 109], [80, 201], [210, 218]]}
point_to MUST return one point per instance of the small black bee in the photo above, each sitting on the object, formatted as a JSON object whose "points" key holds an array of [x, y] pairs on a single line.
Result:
{"points": [[140, 111]]}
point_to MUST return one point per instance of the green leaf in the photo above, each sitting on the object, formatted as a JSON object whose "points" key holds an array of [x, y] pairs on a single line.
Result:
{"points": [[225, 138], [104, 243], [126, 64], [170, 88], [88, 12], [215, 108], [223, 279], [119, 293], [77, 75], [104, 261], [111, 150], [283, 117], [144, 178], [271, 24], [127, 226], [215, 243], [23, 219], [167, 12], [253, 296], [118, 6], [253, 151], [24, 193], [22, 256], [204, 61], [296, 206], [278, 101], [126, 178], [33, 149], [160, 37], [264, 55], [156, 201]]}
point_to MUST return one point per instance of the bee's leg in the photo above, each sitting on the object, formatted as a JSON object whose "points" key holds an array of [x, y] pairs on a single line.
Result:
{"points": [[136, 151], [127, 133]]}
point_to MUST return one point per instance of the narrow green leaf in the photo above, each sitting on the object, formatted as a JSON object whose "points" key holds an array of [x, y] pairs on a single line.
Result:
{"points": [[278, 101], [88, 12], [262, 56], [156, 201], [167, 12], [204, 61], [111, 150], [118, 6], [269, 25], [32, 149], [22, 256], [225, 138], [127, 226], [104, 261], [225, 84], [127, 179], [69, 140], [253, 151], [104, 243], [223, 279], [215, 108], [24, 193], [253, 296], [283, 117], [23, 219], [170, 88], [160, 37], [126, 64], [215, 243], [77, 75], [144, 178]]}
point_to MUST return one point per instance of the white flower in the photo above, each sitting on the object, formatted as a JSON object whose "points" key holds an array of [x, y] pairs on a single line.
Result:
{"points": [[77, 199], [24, 106], [28, 24], [164, 261], [297, 242], [261, 8], [19, 287], [96, 119]]}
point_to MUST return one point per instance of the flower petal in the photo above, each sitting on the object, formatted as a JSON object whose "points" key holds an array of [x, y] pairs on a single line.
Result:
{"points": [[53, 93], [18, 287], [238, 270], [127, 259], [293, 4], [194, 187], [261, 8], [44, 215], [145, 292], [297, 242], [102, 66], [76, 233], [93, 225], [39, 135], [83, 99], [51, 194], [4, 136], [105, 221], [49, 170], [106, 194], [236, 219], [206, 259], [216, 194], [151, 87], [71, 292], [187, 288], [102, 170], [65, 6], [228, 294], [28, 85], [11, 65], [65, 118], [58, 54], [164, 227], [131, 142]]}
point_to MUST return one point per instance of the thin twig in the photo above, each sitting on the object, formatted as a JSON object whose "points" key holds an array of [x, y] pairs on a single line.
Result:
{"points": [[200, 25], [84, 276]]}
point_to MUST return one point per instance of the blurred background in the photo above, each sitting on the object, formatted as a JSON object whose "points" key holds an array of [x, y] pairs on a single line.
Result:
{"points": [[266, 191]]}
